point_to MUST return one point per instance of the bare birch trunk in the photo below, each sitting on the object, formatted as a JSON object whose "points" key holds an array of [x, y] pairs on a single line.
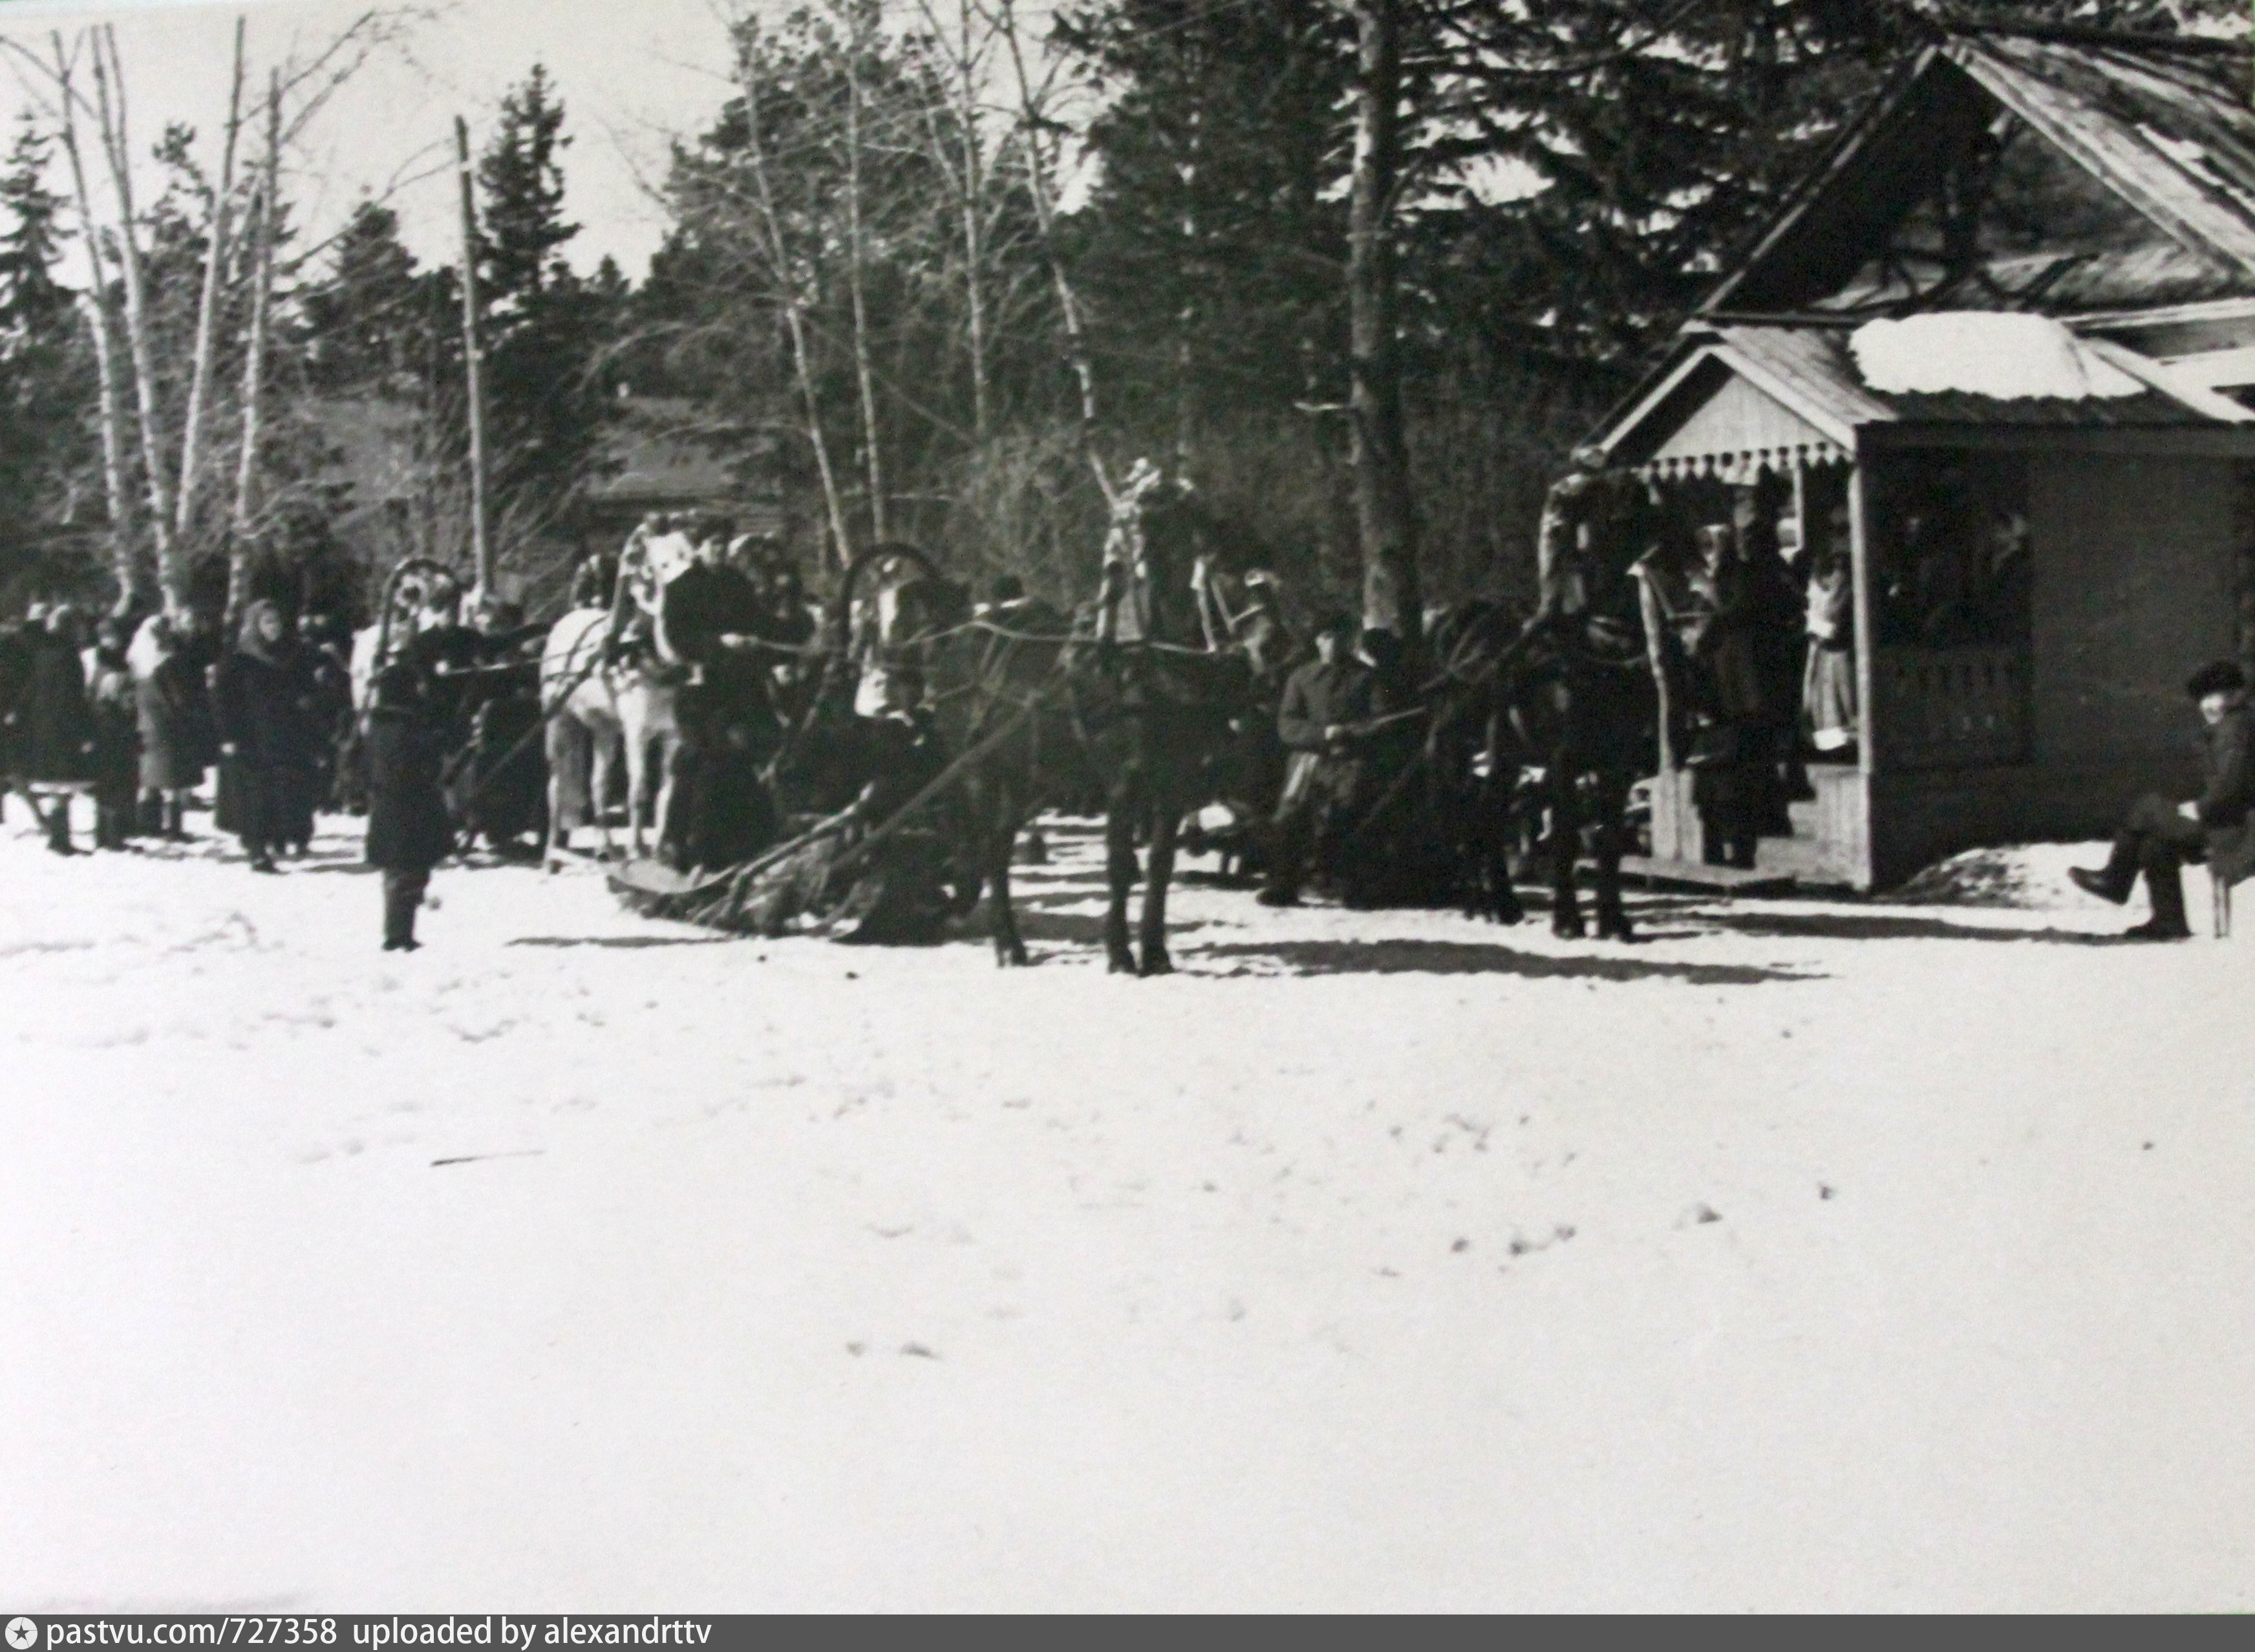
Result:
{"points": [[1384, 515], [872, 451], [215, 252], [116, 145], [964, 161], [132, 583], [794, 318], [254, 358], [974, 229]]}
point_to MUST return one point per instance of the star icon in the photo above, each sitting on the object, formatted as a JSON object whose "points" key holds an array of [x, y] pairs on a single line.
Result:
{"points": [[23, 1633]]}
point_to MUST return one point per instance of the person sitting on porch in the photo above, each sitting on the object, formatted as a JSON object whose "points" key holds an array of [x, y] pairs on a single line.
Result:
{"points": [[2158, 837]]}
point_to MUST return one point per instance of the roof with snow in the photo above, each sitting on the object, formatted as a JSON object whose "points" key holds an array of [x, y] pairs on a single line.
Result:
{"points": [[2005, 182], [1752, 395], [2140, 148]]}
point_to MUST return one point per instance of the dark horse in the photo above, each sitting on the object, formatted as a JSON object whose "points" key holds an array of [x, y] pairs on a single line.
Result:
{"points": [[902, 637], [1557, 716], [1157, 697], [1133, 700]]}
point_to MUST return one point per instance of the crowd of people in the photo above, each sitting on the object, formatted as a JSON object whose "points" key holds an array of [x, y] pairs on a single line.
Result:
{"points": [[1752, 640], [253, 718], [139, 715]]}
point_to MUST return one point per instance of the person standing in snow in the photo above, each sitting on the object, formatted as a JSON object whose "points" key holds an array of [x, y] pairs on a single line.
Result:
{"points": [[168, 657], [112, 714], [260, 697], [1324, 703], [58, 745], [409, 831]]}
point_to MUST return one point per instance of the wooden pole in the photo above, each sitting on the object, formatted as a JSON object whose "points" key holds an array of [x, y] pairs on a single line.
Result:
{"points": [[1862, 545], [482, 550]]}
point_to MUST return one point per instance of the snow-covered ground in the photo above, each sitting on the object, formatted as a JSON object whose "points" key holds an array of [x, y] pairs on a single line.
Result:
{"points": [[1807, 1255]]}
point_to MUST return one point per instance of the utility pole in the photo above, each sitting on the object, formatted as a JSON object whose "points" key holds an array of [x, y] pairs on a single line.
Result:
{"points": [[480, 548]]}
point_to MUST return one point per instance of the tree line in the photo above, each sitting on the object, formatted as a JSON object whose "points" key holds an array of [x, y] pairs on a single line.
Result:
{"points": [[1359, 271]]}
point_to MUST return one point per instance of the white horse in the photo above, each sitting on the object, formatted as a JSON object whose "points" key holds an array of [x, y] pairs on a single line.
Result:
{"points": [[598, 712]]}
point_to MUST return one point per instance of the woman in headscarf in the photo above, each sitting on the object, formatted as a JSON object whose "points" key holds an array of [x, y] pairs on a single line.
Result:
{"points": [[262, 699]]}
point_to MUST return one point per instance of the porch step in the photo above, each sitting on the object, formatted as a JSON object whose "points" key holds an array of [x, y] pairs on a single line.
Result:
{"points": [[1697, 874]]}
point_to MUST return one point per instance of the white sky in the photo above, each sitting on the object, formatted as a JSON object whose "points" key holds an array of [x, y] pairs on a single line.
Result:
{"points": [[629, 71]]}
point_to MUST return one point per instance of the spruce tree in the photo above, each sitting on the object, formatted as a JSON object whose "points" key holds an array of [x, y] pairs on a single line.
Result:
{"points": [[545, 328]]}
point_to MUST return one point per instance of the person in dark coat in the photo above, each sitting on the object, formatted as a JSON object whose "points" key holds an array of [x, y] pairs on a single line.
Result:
{"points": [[261, 699], [57, 744], [16, 655], [496, 782], [325, 645], [169, 658], [1323, 703], [113, 716], [2158, 837], [409, 831], [712, 622], [1703, 623]]}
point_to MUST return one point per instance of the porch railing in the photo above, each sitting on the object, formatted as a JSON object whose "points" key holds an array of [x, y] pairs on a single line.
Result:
{"points": [[1950, 708]]}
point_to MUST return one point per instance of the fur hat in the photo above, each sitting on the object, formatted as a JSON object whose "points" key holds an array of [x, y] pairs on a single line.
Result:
{"points": [[2221, 676]]}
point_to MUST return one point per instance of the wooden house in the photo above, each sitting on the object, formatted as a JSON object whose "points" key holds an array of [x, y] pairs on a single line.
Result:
{"points": [[2050, 494]]}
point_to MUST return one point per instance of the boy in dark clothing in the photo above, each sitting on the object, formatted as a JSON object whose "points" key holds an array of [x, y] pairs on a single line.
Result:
{"points": [[408, 829]]}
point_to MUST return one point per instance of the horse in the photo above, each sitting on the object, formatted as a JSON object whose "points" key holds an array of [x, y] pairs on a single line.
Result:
{"points": [[1557, 717], [1141, 700], [1159, 697], [601, 689]]}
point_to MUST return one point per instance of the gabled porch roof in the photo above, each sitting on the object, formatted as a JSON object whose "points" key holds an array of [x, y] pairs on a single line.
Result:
{"points": [[1735, 396]]}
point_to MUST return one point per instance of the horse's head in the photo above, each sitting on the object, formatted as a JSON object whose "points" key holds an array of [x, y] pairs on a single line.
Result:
{"points": [[653, 558]]}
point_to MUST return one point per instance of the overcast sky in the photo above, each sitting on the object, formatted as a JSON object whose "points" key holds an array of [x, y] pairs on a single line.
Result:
{"points": [[629, 71]]}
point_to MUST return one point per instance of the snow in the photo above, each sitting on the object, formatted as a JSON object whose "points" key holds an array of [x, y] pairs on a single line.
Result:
{"points": [[1810, 1255], [1982, 354]]}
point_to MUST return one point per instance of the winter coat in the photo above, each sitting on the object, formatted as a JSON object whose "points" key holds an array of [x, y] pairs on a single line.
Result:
{"points": [[173, 706], [16, 657], [1317, 697], [264, 710], [110, 702], [57, 733], [408, 829]]}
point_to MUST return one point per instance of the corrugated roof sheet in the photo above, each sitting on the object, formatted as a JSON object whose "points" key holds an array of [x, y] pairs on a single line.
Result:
{"points": [[2173, 134], [1811, 370], [1814, 364], [2169, 132]]}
